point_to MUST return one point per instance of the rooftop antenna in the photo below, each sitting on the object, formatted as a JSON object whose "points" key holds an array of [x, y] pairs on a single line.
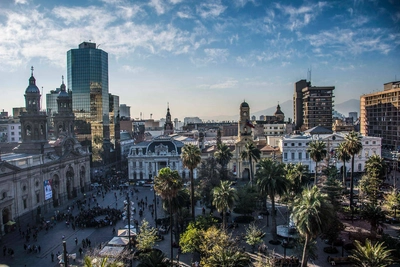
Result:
{"points": [[140, 115], [41, 99], [151, 115]]}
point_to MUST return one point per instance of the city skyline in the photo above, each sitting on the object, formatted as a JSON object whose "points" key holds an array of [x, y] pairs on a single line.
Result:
{"points": [[204, 58]]}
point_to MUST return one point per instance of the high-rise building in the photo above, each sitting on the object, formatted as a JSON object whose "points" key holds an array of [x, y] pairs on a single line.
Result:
{"points": [[87, 74], [312, 105], [380, 115], [125, 111]]}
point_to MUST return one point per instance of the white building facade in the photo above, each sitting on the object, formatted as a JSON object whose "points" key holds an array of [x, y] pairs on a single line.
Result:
{"points": [[294, 150], [146, 158]]}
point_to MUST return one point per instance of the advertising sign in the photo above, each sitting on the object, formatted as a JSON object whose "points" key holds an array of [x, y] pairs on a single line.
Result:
{"points": [[48, 193]]}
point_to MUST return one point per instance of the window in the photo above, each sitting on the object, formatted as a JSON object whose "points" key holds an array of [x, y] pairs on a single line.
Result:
{"points": [[373, 142], [24, 202], [359, 167], [366, 142], [37, 198], [307, 155], [12, 127], [12, 133], [285, 144], [300, 156], [293, 155], [285, 156], [299, 144], [12, 139], [292, 144]]}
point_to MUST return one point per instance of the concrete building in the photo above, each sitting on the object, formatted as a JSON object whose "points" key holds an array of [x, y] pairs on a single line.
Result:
{"points": [[146, 158], [380, 115], [294, 150], [38, 174], [125, 111], [10, 130], [313, 105]]}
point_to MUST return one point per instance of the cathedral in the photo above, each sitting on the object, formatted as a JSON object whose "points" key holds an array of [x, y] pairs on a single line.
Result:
{"points": [[38, 174]]}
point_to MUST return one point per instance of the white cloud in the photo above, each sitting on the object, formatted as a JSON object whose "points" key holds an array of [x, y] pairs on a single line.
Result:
{"points": [[133, 69], [302, 16], [211, 9], [22, 2], [234, 38], [211, 56], [343, 41], [226, 84], [159, 6]]}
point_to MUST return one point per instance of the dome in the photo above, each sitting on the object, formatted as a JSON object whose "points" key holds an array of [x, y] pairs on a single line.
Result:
{"points": [[278, 110], [32, 88], [244, 105], [63, 93]]}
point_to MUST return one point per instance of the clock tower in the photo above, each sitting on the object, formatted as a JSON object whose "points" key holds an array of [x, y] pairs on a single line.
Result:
{"points": [[245, 127]]}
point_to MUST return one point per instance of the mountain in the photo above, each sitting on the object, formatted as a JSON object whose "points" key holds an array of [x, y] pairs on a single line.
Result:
{"points": [[350, 105], [287, 108]]}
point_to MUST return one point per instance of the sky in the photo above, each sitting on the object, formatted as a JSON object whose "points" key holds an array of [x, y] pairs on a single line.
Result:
{"points": [[203, 58]]}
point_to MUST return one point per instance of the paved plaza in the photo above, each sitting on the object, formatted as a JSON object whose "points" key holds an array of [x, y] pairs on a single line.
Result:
{"points": [[51, 242]]}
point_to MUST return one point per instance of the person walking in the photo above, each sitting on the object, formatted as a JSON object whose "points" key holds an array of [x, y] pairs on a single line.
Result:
{"points": [[52, 256], [76, 241]]}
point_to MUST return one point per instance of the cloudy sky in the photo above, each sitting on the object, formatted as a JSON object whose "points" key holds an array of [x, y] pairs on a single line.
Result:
{"points": [[203, 57]]}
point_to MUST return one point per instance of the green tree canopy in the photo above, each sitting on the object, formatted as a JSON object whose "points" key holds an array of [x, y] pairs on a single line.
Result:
{"points": [[317, 151], [224, 196], [371, 255], [251, 153]]}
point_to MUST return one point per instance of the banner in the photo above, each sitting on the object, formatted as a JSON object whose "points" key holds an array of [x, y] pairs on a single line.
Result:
{"points": [[48, 193]]}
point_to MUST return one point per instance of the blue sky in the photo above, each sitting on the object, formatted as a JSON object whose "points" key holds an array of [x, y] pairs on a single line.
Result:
{"points": [[203, 57]]}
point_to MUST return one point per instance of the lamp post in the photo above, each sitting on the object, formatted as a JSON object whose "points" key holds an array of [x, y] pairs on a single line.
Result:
{"points": [[65, 258], [394, 161]]}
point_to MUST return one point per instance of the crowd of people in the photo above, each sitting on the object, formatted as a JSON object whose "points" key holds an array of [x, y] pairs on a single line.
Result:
{"points": [[90, 217]]}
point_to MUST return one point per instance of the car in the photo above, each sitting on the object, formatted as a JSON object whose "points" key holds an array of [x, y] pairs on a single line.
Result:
{"points": [[148, 184], [95, 185]]}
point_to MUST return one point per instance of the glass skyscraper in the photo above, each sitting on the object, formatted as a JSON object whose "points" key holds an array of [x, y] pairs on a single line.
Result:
{"points": [[87, 74]]}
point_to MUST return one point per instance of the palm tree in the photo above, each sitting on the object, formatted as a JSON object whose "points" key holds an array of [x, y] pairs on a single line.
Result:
{"points": [[374, 215], [271, 181], [167, 184], [392, 201], [371, 255], [250, 153], [223, 155], [353, 147], [224, 196], [317, 151], [297, 176], [375, 166], [341, 154], [156, 258], [311, 211], [191, 157]]}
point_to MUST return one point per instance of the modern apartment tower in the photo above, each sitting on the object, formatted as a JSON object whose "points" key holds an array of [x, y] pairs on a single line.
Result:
{"points": [[312, 105], [87, 76], [380, 115]]}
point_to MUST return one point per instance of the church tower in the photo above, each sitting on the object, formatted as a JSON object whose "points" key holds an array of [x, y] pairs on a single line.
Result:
{"points": [[64, 118], [168, 126], [241, 167], [33, 122]]}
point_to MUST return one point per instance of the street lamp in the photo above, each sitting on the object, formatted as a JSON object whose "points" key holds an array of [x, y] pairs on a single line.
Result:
{"points": [[343, 246]]}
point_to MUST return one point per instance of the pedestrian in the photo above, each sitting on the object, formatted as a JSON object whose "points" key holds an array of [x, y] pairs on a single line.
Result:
{"points": [[113, 231], [76, 241], [52, 256], [4, 250], [80, 251], [39, 248]]}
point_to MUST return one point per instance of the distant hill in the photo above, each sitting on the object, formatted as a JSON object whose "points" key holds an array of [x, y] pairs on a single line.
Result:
{"points": [[287, 108], [350, 105]]}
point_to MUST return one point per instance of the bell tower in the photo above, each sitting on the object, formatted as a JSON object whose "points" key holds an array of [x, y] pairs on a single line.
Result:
{"points": [[168, 126], [244, 124], [33, 122], [64, 119]]}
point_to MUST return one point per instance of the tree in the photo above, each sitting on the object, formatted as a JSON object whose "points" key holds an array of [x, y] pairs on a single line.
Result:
{"points": [[371, 255], [317, 151], [343, 155], [156, 258], [191, 157], [224, 197], [333, 189], [375, 166], [311, 211], [167, 184], [392, 201], [223, 155], [374, 215], [250, 153], [247, 200], [147, 237], [219, 249], [353, 147], [208, 178], [369, 186], [254, 235], [271, 181], [297, 176]]}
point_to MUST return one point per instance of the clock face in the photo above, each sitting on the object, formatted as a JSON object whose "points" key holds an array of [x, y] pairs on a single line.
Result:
{"points": [[245, 113]]}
